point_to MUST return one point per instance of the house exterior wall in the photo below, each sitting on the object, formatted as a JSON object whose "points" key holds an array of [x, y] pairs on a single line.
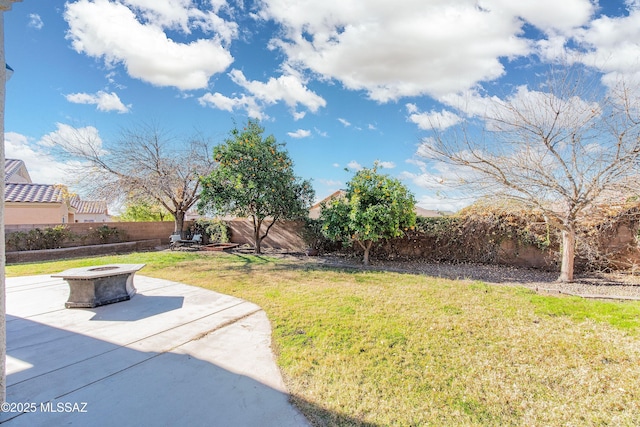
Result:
{"points": [[82, 217], [36, 213]]}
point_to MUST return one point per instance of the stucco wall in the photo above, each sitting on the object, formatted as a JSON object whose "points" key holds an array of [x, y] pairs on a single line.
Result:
{"points": [[91, 218], [35, 213]]}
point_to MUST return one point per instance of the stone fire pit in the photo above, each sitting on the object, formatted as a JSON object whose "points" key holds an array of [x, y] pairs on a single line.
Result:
{"points": [[99, 285]]}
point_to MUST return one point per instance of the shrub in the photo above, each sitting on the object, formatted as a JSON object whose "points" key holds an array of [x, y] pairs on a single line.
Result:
{"points": [[54, 237], [16, 241], [215, 231], [482, 232], [106, 234], [315, 239], [37, 239]]}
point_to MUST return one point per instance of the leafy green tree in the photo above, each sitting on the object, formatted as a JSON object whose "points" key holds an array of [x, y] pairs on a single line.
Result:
{"points": [[144, 211], [374, 207], [254, 178]]}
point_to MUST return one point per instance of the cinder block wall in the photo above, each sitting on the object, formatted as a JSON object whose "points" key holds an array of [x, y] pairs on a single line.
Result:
{"points": [[134, 231], [283, 235], [625, 253]]}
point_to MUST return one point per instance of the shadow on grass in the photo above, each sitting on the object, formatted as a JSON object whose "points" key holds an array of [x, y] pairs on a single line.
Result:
{"points": [[319, 416]]}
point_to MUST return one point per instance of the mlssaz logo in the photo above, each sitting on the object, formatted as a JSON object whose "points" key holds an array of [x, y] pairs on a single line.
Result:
{"points": [[80, 407]]}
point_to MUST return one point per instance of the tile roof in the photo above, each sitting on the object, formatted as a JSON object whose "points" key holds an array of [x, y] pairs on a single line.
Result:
{"points": [[43, 193], [334, 195], [12, 167], [40, 193], [89, 206], [428, 212]]}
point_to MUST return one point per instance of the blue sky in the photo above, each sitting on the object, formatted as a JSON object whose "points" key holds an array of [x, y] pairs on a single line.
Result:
{"points": [[343, 83]]}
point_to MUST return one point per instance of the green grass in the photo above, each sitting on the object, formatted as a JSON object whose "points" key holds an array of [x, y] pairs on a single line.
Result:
{"points": [[378, 348]]}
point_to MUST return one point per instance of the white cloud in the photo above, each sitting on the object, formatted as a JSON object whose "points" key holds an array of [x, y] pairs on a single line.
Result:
{"points": [[411, 108], [222, 102], [432, 120], [415, 47], [344, 122], [35, 21], [321, 133], [612, 45], [416, 162], [534, 103], [42, 166], [141, 44], [470, 102], [336, 165], [300, 133], [102, 100], [86, 138], [385, 165], [552, 48], [287, 88], [182, 15], [567, 14], [444, 202], [423, 180], [435, 175], [354, 165]]}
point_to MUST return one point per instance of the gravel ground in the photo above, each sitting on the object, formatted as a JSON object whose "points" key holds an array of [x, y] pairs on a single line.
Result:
{"points": [[619, 285]]}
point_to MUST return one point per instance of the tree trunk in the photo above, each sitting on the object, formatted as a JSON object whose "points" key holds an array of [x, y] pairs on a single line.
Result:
{"points": [[568, 253], [257, 225], [367, 249], [179, 222]]}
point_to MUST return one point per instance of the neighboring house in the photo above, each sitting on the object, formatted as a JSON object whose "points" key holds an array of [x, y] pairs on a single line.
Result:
{"points": [[15, 171], [90, 210], [428, 213], [29, 203], [314, 212], [26, 203]]}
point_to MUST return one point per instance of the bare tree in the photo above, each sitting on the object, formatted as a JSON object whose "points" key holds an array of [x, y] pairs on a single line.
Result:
{"points": [[144, 165], [565, 148]]}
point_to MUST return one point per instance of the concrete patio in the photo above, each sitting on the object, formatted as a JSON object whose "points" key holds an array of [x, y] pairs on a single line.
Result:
{"points": [[172, 355]]}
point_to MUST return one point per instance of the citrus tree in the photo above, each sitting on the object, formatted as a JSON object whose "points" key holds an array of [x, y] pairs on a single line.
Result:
{"points": [[254, 178], [374, 207]]}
